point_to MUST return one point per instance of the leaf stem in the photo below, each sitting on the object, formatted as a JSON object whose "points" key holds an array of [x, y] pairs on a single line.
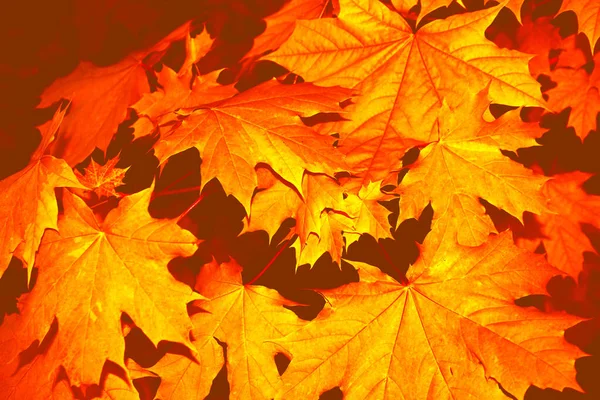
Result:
{"points": [[194, 204], [401, 275], [176, 191], [261, 273], [165, 191]]}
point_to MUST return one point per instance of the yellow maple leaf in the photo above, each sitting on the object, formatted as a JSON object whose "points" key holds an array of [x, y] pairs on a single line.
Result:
{"points": [[260, 125], [247, 319], [379, 339], [90, 273], [463, 163], [402, 76], [27, 201]]}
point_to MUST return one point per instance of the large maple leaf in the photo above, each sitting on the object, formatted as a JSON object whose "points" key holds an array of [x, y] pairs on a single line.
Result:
{"points": [[27, 200], [452, 332], [90, 273], [402, 76], [247, 319], [99, 99], [261, 125], [463, 162]]}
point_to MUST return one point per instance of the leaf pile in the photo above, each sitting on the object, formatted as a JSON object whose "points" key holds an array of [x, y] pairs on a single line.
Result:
{"points": [[362, 199]]}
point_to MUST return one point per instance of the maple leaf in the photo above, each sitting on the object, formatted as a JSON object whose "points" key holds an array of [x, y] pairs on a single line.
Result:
{"points": [[34, 381], [428, 6], [588, 15], [183, 89], [371, 217], [280, 25], [402, 76], [260, 125], [324, 216], [539, 36], [90, 273], [246, 318], [569, 206], [102, 179], [334, 227], [278, 201], [452, 332], [580, 91], [463, 163], [27, 200], [99, 99]]}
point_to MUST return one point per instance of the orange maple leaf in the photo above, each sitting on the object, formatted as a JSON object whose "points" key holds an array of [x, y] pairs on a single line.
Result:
{"points": [[90, 273], [27, 200], [277, 201], [324, 215], [260, 125], [402, 77], [569, 207], [99, 99], [183, 89], [280, 25], [384, 340], [463, 163], [247, 319], [579, 90], [588, 15]]}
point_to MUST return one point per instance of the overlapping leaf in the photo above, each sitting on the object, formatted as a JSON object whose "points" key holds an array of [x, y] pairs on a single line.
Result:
{"points": [[588, 16], [569, 207], [323, 200], [402, 76], [182, 89], [246, 319], [261, 125], [580, 91], [463, 162], [90, 273], [280, 25], [99, 99], [378, 339], [27, 200]]}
